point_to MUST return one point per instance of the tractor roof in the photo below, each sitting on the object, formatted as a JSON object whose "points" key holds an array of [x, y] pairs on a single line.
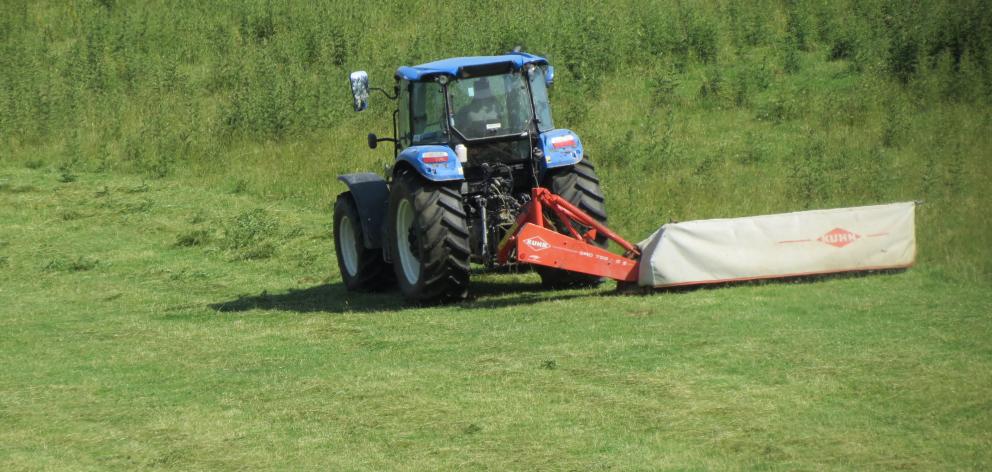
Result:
{"points": [[469, 66]]}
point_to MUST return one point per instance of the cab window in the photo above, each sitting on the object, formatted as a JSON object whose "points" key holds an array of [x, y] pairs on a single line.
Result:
{"points": [[427, 113], [403, 117]]}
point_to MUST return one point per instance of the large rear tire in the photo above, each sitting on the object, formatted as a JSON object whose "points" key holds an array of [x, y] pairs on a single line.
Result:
{"points": [[428, 239], [578, 184], [362, 269]]}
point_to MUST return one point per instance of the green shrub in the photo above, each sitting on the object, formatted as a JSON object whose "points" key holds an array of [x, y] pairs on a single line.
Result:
{"points": [[779, 109], [712, 86], [702, 35], [662, 90], [797, 25], [903, 58], [791, 60], [842, 48], [808, 176]]}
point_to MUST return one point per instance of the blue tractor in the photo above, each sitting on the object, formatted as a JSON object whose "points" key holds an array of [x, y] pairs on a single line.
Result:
{"points": [[471, 137]]}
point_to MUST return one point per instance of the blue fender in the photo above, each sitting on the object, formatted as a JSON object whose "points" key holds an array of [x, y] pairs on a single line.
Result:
{"points": [[434, 162], [561, 148], [371, 196]]}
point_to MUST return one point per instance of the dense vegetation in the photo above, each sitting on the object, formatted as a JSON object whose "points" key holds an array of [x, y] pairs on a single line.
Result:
{"points": [[691, 110]]}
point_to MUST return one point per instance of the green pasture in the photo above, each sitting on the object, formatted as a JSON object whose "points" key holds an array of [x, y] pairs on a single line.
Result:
{"points": [[169, 297], [160, 325]]}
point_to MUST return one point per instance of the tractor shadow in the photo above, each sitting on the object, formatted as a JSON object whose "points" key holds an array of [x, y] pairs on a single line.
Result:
{"points": [[334, 298], [490, 292]]}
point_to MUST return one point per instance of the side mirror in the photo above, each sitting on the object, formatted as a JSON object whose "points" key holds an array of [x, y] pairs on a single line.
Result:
{"points": [[360, 89], [373, 141], [549, 76]]}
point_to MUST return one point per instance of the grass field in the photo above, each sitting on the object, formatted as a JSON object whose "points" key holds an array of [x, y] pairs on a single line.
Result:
{"points": [[169, 297], [150, 324]]}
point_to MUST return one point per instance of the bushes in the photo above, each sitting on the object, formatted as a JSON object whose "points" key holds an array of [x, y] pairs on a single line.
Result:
{"points": [[268, 70], [903, 57], [700, 96], [680, 36]]}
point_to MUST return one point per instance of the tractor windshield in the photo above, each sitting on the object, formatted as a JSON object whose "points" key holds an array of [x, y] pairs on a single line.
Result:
{"points": [[486, 107]]}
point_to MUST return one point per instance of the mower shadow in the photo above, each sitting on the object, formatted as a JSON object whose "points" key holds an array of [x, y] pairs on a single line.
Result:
{"points": [[794, 280], [334, 298]]}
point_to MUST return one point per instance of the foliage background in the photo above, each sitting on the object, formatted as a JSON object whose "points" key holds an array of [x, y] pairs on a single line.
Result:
{"points": [[692, 110]]}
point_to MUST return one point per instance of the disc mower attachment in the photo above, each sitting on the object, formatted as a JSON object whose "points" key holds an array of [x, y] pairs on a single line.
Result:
{"points": [[786, 245]]}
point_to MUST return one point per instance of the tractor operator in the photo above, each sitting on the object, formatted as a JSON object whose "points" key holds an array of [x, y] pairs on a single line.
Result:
{"points": [[480, 116]]}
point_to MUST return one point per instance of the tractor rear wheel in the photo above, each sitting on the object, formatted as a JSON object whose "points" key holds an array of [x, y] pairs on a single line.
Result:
{"points": [[428, 239], [361, 268], [578, 184]]}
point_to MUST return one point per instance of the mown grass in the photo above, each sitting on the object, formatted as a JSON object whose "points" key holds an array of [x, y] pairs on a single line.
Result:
{"points": [[160, 354], [167, 290]]}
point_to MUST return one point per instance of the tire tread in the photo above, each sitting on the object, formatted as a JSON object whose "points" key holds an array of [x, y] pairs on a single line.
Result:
{"points": [[441, 222]]}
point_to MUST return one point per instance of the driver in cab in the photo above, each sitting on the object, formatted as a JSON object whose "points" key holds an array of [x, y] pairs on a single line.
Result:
{"points": [[479, 117]]}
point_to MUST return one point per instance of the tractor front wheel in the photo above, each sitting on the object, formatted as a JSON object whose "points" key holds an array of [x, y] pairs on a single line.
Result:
{"points": [[578, 184], [428, 238]]}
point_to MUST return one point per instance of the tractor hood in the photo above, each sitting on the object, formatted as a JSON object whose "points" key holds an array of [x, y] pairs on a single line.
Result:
{"points": [[460, 67]]}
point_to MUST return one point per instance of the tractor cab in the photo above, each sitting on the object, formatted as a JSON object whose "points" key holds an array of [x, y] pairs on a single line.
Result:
{"points": [[492, 110], [495, 107], [492, 105]]}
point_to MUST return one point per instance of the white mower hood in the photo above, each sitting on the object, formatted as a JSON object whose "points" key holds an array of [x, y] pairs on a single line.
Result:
{"points": [[775, 246]]}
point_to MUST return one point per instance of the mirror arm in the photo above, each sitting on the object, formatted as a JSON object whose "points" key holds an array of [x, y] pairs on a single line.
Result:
{"points": [[375, 140], [391, 97], [396, 136]]}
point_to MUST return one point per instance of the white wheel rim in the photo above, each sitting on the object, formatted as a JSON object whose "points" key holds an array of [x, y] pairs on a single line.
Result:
{"points": [[408, 262], [349, 247]]}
